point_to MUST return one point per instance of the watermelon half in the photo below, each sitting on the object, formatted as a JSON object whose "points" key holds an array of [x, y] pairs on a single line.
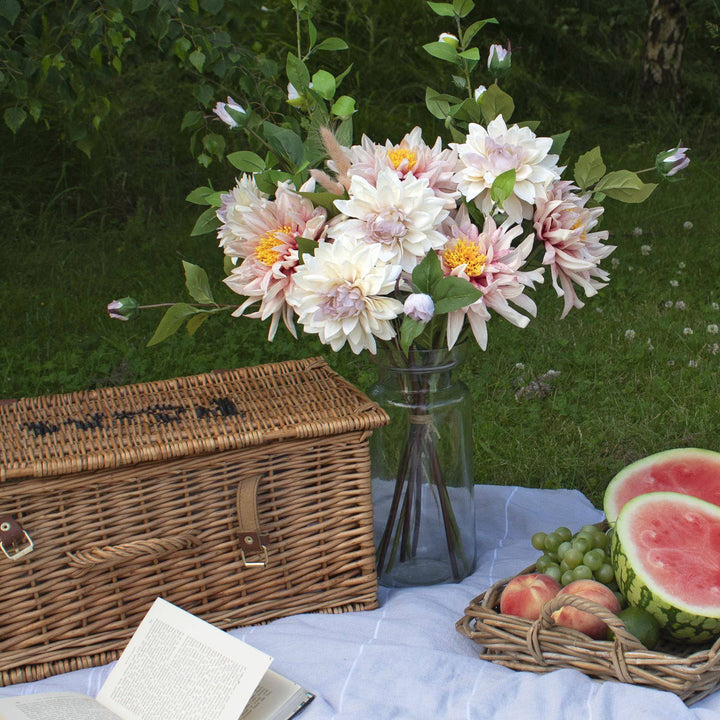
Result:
{"points": [[666, 554], [685, 470]]}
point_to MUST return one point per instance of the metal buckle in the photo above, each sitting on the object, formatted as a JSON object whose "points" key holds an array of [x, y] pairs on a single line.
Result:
{"points": [[261, 563], [19, 553]]}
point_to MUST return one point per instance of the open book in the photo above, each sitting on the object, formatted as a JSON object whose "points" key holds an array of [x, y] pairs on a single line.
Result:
{"points": [[175, 667]]}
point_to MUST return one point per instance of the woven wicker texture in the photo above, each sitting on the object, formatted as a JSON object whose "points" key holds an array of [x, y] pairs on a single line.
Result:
{"points": [[141, 501], [692, 672]]}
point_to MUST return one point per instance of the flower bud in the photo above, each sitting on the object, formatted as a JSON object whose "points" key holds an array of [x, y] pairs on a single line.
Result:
{"points": [[294, 98], [420, 307], [499, 59], [450, 39], [479, 92], [670, 162], [221, 110], [123, 309]]}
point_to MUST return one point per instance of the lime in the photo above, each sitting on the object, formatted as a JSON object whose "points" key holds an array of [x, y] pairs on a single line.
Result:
{"points": [[642, 625]]}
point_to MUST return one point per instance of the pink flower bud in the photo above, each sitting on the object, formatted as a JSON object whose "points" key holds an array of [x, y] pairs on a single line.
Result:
{"points": [[221, 110], [420, 307]]}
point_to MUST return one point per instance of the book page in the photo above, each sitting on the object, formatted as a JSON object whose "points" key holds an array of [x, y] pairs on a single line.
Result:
{"points": [[179, 667], [276, 697], [53, 706]]}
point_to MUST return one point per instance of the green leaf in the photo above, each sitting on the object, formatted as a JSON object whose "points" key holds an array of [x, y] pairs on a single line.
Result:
{"points": [[190, 119], [140, 5], [207, 222], [171, 322], [212, 6], [589, 168], [204, 94], [344, 132], [409, 330], [467, 110], [471, 54], [312, 33], [14, 118], [284, 142], [332, 43], [9, 9], [473, 30], [117, 64], [442, 9], [453, 293], [625, 186], [439, 104], [502, 187], [559, 142], [494, 102], [463, 7], [306, 246], [427, 274], [197, 59], [214, 144], [324, 84], [441, 50], [297, 73], [194, 323], [343, 107], [203, 196], [197, 284], [323, 199], [247, 161]]}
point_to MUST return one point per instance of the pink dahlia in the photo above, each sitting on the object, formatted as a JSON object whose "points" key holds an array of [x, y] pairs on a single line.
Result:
{"points": [[573, 252], [265, 236], [410, 157], [489, 261]]}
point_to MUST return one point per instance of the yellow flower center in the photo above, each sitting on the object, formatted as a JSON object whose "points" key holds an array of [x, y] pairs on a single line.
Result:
{"points": [[398, 154], [466, 253], [265, 251]]}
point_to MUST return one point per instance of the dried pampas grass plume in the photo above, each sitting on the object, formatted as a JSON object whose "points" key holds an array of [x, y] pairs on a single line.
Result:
{"points": [[338, 162]]}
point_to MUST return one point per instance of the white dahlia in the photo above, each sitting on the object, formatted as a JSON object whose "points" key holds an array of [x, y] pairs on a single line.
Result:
{"points": [[486, 154], [401, 217], [234, 205], [341, 293], [563, 224]]}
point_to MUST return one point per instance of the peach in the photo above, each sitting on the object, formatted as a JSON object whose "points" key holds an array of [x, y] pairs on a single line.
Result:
{"points": [[525, 595], [585, 622]]}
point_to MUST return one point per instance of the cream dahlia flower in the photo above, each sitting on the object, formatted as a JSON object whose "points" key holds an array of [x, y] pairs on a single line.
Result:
{"points": [[563, 224], [401, 217], [489, 261], [265, 235], [341, 294], [410, 157], [486, 154]]}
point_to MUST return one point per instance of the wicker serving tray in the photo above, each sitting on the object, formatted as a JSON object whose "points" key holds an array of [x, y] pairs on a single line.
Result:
{"points": [[692, 672]]}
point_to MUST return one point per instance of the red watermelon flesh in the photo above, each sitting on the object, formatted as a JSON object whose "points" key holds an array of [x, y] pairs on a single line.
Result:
{"points": [[688, 471]]}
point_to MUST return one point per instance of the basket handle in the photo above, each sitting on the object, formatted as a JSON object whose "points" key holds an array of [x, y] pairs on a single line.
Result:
{"points": [[623, 642], [83, 560]]}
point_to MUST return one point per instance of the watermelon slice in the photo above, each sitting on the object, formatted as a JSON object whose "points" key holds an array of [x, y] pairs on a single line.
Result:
{"points": [[685, 470], [666, 554]]}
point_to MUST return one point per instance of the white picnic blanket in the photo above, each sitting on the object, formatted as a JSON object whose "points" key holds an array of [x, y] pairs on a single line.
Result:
{"points": [[406, 661]]}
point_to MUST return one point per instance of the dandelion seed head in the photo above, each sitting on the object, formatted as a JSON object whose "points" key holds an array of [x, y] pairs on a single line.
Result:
{"points": [[680, 305], [629, 334], [687, 225], [645, 249], [687, 331], [712, 329], [673, 283]]}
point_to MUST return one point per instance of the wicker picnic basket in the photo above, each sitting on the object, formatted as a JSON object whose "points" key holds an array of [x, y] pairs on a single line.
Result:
{"points": [[692, 672], [241, 496]]}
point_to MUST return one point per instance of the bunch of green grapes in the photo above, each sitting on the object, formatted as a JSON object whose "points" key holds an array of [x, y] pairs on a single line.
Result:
{"points": [[582, 556]]}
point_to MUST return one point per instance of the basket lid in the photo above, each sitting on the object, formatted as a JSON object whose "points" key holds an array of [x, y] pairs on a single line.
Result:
{"points": [[221, 410]]}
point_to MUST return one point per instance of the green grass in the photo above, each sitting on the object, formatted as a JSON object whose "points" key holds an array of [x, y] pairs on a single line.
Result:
{"points": [[616, 398]]}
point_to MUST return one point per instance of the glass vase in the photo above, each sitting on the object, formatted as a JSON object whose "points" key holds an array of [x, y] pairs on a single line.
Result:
{"points": [[421, 466]]}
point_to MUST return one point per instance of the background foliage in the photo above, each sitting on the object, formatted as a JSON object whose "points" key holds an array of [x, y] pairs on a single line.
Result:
{"points": [[95, 176]]}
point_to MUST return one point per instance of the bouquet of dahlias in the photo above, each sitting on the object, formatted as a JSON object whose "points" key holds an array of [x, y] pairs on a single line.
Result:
{"points": [[408, 246]]}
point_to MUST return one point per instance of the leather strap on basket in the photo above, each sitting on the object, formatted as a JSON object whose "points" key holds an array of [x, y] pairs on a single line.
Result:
{"points": [[250, 538], [14, 541]]}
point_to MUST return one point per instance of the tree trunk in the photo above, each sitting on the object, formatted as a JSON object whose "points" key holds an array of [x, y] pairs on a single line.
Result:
{"points": [[664, 44]]}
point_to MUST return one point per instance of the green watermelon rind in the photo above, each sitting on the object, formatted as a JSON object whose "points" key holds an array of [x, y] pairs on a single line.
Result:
{"points": [[680, 623], [609, 503]]}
